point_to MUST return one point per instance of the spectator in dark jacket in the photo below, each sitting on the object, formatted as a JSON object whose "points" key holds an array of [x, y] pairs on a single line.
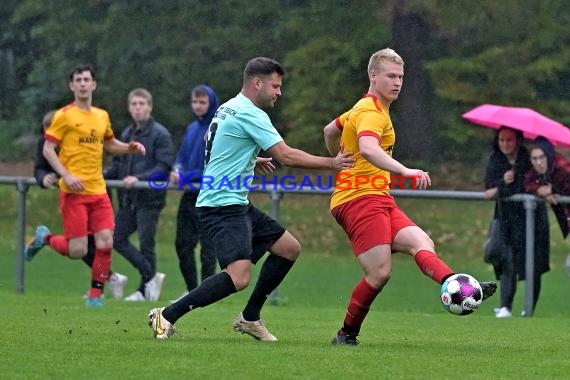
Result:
{"points": [[507, 167], [139, 209], [550, 178], [44, 173], [46, 177], [190, 165]]}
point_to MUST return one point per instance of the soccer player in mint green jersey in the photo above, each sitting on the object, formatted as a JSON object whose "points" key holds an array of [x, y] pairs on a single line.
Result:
{"points": [[232, 227]]}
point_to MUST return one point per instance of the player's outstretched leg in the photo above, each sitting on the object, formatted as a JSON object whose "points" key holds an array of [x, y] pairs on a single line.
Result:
{"points": [[161, 327], [38, 243], [489, 288]]}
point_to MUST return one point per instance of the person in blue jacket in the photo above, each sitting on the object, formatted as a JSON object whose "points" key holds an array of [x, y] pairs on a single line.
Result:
{"points": [[189, 166]]}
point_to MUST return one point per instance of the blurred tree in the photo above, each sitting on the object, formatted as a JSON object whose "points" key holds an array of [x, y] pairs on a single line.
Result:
{"points": [[458, 55], [516, 53], [327, 68]]}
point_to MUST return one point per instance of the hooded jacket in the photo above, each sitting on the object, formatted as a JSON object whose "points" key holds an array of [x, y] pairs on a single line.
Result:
{"points": [[190, 158], [558, 176]]}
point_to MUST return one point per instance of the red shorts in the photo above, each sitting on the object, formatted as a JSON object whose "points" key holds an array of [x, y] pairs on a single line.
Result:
{"points": [[84, 214], [371, 220]]}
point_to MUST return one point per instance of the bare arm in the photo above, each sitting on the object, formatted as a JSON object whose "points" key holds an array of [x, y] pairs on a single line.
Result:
{"points": [[49, 152], [299, 159], [118, 147], [332, 138], [372, 152]]}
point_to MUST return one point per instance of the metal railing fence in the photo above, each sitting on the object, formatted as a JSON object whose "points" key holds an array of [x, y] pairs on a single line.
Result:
{"points": [[276, 192]]}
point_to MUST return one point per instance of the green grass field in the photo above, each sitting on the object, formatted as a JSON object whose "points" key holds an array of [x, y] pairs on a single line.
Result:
{"points": [[407, 335]]}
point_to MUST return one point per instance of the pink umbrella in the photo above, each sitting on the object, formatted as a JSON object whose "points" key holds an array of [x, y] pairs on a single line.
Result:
{"points": [[526, 120]]}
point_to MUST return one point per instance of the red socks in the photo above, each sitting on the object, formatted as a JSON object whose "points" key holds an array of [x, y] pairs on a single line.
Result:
{"points": [[362, 297], [101, 265], [59, 243], [432, 266]]}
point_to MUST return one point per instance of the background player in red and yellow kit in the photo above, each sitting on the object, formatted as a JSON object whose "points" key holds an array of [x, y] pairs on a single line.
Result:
{"points": [[361, 203], [81, 131]]}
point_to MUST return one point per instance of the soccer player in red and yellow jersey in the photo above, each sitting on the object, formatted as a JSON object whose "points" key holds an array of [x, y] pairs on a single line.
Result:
{"points": [[362, 204], [81, 131]]}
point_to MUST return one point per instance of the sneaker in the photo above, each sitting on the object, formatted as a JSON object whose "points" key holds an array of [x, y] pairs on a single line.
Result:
{"points": [[135, 297], [504, 313], [344, 338], [94, 302], [489, 288], [38, 243], [153, 288], [179, 298], [256, 329], [116, 285], [161, 327]]}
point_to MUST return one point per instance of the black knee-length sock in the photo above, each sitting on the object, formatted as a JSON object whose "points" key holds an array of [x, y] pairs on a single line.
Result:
{"points": [[272, 273], [212, 289]]}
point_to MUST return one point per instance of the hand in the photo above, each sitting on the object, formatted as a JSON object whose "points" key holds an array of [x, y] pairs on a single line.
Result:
{"points": [[552, 199], [49, 180], [421, 179], [75, 184], [129, 181], [136, 147], [264, 166], [174, 177], [544, 190], [509, 176], [343, 160]]}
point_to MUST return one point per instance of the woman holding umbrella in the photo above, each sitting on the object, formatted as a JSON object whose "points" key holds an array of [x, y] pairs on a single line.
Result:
{"points": [[508, 164]]}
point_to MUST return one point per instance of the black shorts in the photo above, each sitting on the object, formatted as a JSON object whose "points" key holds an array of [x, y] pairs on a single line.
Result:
{"points": [[237, 232]]}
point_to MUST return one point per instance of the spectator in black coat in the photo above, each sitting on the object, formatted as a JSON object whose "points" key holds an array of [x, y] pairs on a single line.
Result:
{"points": [[508, 164], [139, 209]]}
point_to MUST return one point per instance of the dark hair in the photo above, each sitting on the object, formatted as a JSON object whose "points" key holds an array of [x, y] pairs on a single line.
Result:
{"points": [[262, 66], [200, 90], [542, 143], [518, 134], [79, 69]]}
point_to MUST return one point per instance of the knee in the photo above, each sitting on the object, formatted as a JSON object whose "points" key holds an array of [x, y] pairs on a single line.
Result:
{"points": [[380, 277], [292, 250], [240, 276], [77, 253], [241, 282], [430, 244], [424, 243], [105, 242]]}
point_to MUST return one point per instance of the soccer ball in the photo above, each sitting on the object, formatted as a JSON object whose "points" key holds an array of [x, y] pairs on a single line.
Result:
{"points": [[461, 294]]}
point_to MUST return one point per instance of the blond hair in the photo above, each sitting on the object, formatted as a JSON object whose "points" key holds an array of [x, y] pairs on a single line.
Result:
{"points": [[140, 92], [382, 56]]}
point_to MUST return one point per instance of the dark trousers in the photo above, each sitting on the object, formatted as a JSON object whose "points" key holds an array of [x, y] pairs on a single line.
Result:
{"points": [[187, 238], [509, 278], [142, 220]]}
